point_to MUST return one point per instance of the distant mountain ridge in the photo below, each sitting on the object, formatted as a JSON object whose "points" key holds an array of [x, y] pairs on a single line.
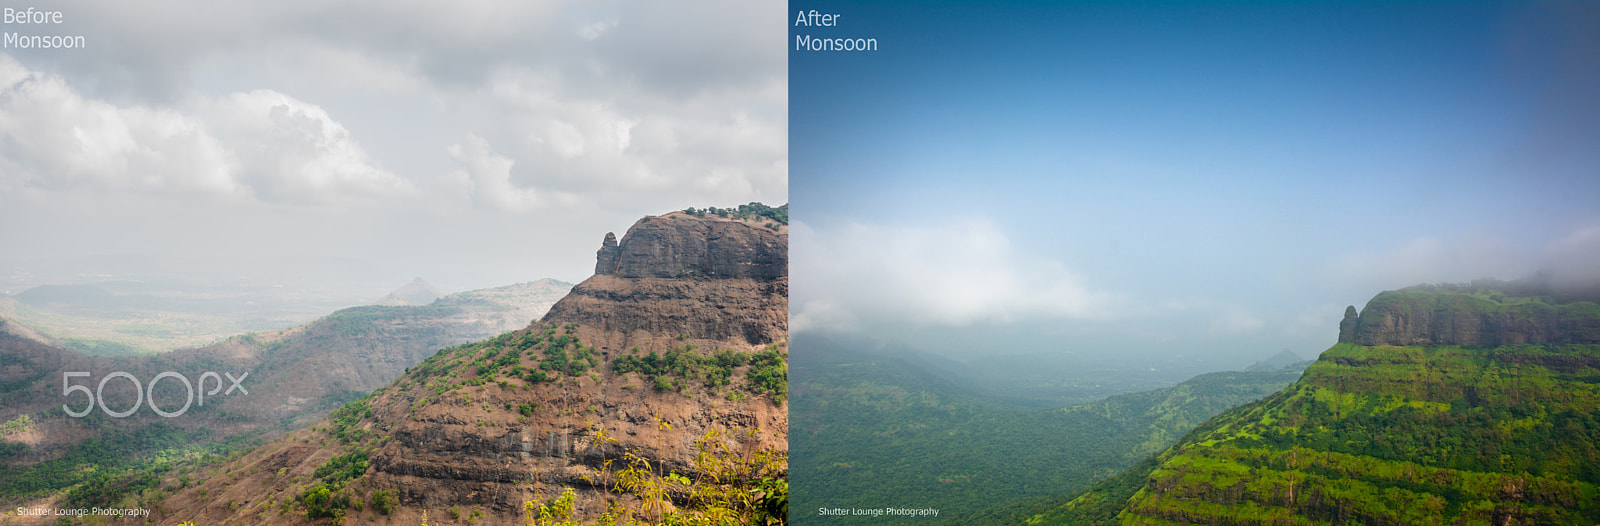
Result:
{"points": [[294, 377], [1285, 358], [417, 292], [886, 427], [680, 341], [1440, 405]]}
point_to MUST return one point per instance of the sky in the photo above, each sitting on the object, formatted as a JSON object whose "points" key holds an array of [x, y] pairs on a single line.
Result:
{"points": [[1158, 180], [474, 144]]}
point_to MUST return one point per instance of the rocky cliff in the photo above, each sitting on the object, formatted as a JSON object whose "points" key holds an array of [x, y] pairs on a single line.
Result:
{"points": [[704, 278], [1444, 405], [676, 347], [291, 378], [1472, 316]]}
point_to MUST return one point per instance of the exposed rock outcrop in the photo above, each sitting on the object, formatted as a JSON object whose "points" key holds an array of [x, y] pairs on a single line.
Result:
{"points": [[485, 427], [1347, 326], [606, 258], [1468, 316], [702, 278], [679, 245]]}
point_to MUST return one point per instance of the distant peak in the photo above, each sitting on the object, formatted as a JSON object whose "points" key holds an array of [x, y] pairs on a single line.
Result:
{"points": [[417, 292]]}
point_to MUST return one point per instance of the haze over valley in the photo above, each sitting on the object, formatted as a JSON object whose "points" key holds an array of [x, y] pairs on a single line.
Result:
{"points": [[1013, 212]]}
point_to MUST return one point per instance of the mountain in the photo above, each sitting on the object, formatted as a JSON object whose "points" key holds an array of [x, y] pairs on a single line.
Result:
{"points": [[417, 292], [290, 378], [1286, 358], [1463, 404], [662, 376], [875, 429], [126, 317]]}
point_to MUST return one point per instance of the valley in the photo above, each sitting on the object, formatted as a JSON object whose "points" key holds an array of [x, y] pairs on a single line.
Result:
{"points": [[657, 388], [287, 379], [875, 430]]}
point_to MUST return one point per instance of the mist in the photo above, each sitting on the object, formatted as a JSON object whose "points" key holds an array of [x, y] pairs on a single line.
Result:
{"points": [[1193, 198]]}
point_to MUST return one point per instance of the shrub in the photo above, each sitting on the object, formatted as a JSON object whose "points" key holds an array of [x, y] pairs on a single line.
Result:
{"points": [[385, 502]]}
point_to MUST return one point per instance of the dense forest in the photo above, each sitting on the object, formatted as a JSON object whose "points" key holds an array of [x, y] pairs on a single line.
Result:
{"points": [[870, 430]]}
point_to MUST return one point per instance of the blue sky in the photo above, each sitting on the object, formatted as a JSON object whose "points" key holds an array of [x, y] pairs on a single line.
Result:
{"points": [[1177, 178]]}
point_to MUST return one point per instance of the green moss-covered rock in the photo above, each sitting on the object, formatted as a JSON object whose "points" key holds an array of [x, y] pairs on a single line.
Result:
{"points": [[1490, 414]]}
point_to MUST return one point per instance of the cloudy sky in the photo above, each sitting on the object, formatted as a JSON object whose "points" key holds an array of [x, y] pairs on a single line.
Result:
{"points": [[1166, 178], [473, 143]]}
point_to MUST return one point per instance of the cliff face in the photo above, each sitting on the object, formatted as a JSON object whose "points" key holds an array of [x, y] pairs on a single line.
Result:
{"points": [[702, 278], [678, 341], [1347, 326], [1471, 317], [678, 245], [1442, 405]]}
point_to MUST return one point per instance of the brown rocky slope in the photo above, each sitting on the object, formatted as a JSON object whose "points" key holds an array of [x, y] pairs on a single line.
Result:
{"points": [[291, 378], [713, 279], [477, 430]]}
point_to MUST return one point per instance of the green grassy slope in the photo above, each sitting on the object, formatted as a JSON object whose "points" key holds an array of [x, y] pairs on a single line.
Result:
{"points": [[1389, 435], [873, 431]]}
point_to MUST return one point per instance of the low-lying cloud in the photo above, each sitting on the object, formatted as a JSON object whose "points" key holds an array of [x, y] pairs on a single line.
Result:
{"points": [[849, 275]]}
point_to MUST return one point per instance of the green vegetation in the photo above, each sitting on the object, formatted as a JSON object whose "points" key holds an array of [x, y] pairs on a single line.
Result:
{"points": [[344, 420], [385, 502], [20, 383], [328, 498], [1483, 301], [1392, 435], [323, 502], [10, 449], [340, 469], [768, 373], [1406, 435], [96, 347], [731, 487], [364, 319], [118, 463], [111, 488], [749, 212], [17, 425], [883, 431]]}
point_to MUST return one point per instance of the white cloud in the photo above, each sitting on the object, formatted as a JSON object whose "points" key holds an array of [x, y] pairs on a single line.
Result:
{"points": [[475, 122], [487, 177], [52, 138], [262, 143], [1575, 258], [1457, 258], [952, 275], [289, 150]]}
